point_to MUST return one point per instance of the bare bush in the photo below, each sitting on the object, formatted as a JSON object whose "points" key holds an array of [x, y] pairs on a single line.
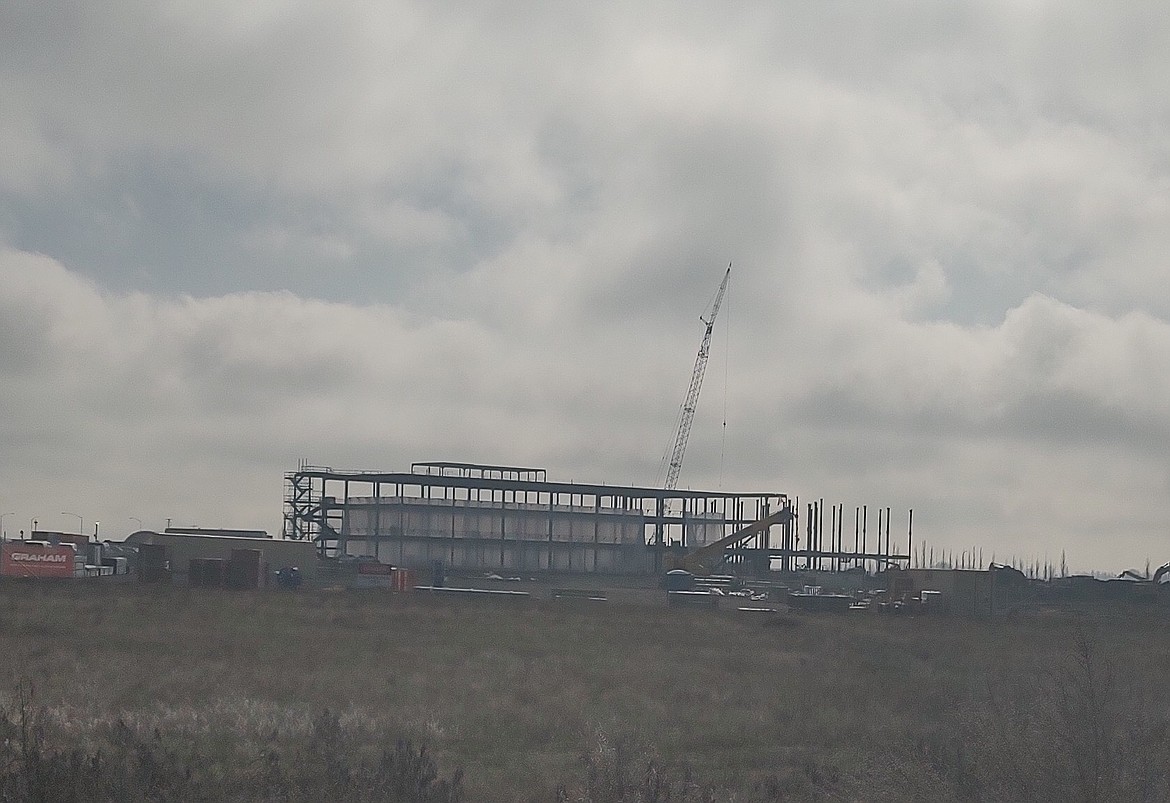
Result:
{"points": [[132, 766], [623, 770], [1082, 731]]}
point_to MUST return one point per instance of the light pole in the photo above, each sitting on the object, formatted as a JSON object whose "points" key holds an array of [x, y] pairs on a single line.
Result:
{"points": [[80, 521], [3, 532]]}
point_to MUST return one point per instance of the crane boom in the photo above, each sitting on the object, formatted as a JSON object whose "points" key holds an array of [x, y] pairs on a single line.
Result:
{"points": [[688, 409]]}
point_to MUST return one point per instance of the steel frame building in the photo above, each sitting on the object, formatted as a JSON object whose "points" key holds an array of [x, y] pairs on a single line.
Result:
{"points": [[507, 518]]}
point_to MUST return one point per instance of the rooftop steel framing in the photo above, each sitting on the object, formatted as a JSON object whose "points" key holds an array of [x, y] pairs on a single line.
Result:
{"points": [[317, 499], [320, 500]]}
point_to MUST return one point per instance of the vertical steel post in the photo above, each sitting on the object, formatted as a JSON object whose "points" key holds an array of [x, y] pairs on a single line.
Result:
{"points": [[822, 553], [864, 527], [857, 534], [889, 541], [910, 534]]}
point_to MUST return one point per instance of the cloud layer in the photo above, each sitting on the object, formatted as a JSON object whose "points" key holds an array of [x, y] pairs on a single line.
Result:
{"points": [[235, 237]]}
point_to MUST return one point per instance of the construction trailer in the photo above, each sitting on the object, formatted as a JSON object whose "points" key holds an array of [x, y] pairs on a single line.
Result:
{"points": [[40, 559], [489, 518], [62, 555]]}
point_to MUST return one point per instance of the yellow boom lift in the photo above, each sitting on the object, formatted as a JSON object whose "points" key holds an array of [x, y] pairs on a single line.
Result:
{"points": [[706, 558]]}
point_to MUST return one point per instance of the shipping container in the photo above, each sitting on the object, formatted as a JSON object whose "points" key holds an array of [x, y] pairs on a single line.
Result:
{"points": [[153, 565], [243, 572], [215, 572]]}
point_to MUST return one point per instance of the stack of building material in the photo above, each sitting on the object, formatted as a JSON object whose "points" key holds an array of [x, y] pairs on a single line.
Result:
{"points": [[402, 580]]}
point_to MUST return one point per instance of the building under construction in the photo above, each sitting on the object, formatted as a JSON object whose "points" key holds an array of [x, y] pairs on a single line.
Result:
{"points": [[487, 518]]}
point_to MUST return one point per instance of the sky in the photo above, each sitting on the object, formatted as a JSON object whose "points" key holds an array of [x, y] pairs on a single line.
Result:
{"points": [[235, 236]]}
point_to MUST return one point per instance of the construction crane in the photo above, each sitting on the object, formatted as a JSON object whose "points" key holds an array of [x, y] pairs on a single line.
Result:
{"points": [[688, 408]]}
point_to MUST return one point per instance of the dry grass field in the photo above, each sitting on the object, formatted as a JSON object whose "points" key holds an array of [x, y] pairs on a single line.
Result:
{"points": [[129, 692]]}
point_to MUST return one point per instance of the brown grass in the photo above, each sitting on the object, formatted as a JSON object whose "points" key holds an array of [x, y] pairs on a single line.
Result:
{"points": [[540, 700]]}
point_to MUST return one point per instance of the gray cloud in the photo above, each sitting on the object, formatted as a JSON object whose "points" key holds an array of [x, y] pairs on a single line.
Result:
{"points": [[238, 236]]}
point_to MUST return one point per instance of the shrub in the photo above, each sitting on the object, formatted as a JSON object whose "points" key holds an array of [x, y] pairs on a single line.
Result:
{"points": [[1083, 730], [623, 770], [132, 766]]}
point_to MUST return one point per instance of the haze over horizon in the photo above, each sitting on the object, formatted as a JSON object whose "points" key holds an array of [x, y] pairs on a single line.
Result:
{"points": [[365, 234]]}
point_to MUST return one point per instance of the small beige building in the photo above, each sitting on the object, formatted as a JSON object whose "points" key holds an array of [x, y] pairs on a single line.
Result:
{"points": [[965, 592], [276, 553]]}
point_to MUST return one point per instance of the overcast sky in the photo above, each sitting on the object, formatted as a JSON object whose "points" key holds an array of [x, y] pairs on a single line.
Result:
{"points": [[235, 235]]}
